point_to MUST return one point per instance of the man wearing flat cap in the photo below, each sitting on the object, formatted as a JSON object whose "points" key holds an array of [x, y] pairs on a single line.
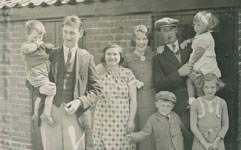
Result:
{"points": [[164, 124], [170, 69]]}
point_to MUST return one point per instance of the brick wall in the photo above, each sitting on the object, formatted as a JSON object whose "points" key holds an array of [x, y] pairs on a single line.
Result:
{"points": [[117, 29], [15, 99]]}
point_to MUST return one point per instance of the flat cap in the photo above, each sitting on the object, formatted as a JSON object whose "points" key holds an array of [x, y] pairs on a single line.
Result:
{"points": [[166, 22], [166, 95]]}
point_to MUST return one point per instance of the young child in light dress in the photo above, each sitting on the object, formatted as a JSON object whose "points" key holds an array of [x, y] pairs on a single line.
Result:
{"points": [[203, 57], [209, 116], [37, 66]]}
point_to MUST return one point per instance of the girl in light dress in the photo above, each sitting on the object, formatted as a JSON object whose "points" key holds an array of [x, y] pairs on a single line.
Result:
{"points": [[203, 57], [209, 116]]}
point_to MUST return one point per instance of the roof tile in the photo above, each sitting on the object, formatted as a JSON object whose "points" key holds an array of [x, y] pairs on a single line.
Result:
{"points": [[25, 3]]}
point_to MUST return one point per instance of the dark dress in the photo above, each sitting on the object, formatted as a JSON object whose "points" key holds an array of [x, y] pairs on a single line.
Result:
{"points": [[145, 95]]}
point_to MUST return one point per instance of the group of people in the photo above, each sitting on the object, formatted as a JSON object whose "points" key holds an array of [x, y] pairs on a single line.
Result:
{"points": [[163, 100]]}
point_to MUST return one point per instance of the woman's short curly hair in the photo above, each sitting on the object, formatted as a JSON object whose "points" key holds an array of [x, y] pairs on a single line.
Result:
{"points": [[140, 29], [209, 77], [112, 45]]}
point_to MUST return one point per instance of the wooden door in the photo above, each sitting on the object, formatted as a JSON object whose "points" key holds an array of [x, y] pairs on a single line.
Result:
{"points": [[226, 51]]}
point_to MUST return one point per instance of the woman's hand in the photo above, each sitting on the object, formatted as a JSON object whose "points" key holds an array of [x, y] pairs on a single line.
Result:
{"points": [[130, 126], [72, 106]]}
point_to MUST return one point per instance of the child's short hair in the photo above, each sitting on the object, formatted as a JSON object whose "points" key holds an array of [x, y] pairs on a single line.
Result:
{"points": [[210, 76], [207, 18], [140, 29], [35, 25], [73, 21]]}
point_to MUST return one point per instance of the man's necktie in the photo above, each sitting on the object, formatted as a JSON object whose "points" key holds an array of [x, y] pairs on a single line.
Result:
{"points": [[174, 48], [68, 58], [67, 64], [176, 52]]}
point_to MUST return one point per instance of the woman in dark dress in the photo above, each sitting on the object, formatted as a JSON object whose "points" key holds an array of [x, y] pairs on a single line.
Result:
{"points": [[140, 62]]}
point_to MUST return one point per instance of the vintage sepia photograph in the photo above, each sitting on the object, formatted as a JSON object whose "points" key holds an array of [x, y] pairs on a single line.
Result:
{"points": [[120, 74]]}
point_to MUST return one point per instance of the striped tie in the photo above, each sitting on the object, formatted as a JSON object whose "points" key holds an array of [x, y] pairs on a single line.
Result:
{"points": [[68, 59]]}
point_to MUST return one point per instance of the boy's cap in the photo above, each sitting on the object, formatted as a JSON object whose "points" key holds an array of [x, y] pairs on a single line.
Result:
{"points": [[166, 22], [166, 95]]}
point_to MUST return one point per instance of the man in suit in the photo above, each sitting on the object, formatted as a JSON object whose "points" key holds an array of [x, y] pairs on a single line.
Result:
{"points": [[73, 71], [170, 69]]}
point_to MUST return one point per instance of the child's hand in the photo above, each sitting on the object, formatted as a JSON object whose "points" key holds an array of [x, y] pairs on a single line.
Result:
{"points": [[49, 45], [130, 126], [215, 144], [130, 136], [39, 43], [206, 144], [139, 84], [185, 43]]}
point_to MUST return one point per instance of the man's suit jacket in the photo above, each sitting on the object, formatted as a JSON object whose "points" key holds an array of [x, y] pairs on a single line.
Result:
{"points": [[86, 87], [167, 78]]}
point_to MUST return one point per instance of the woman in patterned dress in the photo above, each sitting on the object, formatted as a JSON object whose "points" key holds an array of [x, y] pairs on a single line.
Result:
{"points": [[140, 62], [116, 109]]}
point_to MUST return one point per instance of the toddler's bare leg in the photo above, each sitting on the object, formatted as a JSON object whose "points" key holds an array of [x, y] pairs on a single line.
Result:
{"points": [[191, 91], [36, 108], [190, 88], [48, 89], [47, 114]]}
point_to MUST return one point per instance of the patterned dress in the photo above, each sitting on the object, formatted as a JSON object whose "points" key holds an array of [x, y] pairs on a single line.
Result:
{"points": [[112, 111]]}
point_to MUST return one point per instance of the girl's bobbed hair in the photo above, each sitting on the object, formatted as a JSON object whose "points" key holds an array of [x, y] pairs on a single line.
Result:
{"points": [[207, 18], [209, 77], [140, 29], [112, 45]]}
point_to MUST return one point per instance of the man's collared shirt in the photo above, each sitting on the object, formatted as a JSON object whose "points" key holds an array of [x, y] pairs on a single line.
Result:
{"points": [[176, 47], [66, 51]]}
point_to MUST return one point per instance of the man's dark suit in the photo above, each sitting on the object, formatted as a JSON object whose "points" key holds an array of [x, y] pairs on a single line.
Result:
{"points": [[166, 78]]}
